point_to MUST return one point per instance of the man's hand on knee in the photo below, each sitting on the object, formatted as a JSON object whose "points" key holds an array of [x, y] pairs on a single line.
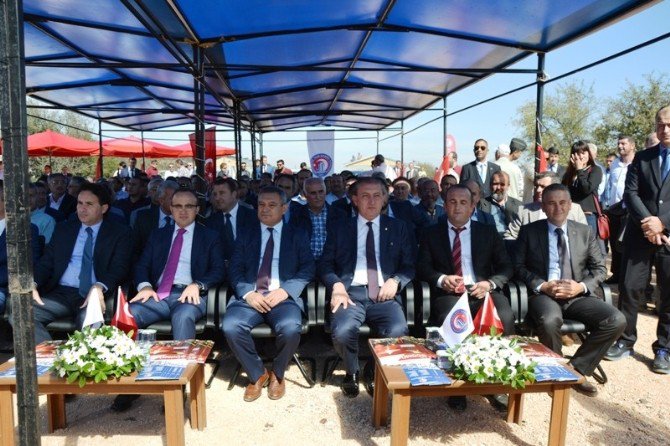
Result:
{"points": [[191, 294], [36, 297], [144, 295], [340, 297]]}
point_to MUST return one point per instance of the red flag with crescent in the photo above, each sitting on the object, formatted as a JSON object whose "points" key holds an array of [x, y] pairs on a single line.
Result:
{"points": [[123, 318]]}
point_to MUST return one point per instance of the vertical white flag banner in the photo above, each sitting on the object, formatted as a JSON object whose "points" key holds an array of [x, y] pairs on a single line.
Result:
{"points": [[321, 150], [93, 316], [458, 323]]}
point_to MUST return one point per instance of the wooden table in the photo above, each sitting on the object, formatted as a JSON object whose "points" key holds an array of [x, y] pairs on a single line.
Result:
{"points": [[393, 379], [56, 388]]}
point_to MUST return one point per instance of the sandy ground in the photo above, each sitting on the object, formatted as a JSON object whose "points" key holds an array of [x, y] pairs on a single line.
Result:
{"points": [[631, 409]]}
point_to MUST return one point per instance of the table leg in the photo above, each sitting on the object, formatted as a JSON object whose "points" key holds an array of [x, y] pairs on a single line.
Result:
{"points": [[380, 400], [6, 417], [198, 403], [515, 408], [559, 416], [174, 416], [400, 418], [56, 412]]}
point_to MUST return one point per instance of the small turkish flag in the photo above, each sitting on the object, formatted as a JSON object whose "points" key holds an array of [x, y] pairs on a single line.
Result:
{"points": [[442, 171], [123, 318], [487, 317]]}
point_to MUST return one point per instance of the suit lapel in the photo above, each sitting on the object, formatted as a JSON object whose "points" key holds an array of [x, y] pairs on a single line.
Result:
{"points": [[445, 245], [655, 166], [543, 244], [573, 242], [385, 243]]}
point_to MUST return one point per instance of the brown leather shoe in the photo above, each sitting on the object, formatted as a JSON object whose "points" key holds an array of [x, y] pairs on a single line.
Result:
{"points": [[277, 388], [253, 390]]}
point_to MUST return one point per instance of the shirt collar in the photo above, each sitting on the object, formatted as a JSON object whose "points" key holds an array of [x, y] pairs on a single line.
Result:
{"points": [[466, 226], [95, 227], [278, 227], [189, 228], [3, 225], [552, 227], [364, 221]]}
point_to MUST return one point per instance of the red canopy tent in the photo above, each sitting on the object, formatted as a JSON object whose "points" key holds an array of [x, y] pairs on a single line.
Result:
{"points": [[133, 146], [50, 143]]}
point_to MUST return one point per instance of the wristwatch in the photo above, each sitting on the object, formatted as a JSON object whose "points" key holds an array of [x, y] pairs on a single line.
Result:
{"points": [[201, 286]]}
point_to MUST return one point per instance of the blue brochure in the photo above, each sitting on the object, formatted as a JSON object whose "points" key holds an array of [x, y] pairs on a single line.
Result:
{"points": [[553, 372], [426, 376], [160, 371]]}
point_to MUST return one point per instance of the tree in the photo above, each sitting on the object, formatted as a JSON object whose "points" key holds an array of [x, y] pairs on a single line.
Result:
{"points": [[568, 115], [68, 123], [633, 110]]}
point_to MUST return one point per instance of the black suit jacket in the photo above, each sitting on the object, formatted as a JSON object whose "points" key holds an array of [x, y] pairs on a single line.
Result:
{"points": [[511, 210], [300, 217], [469, 172], [645, 195], [296, 264], [207, 266], [345, 205], [67, 206], [531, 260], [489, 256], [338, 261], [111, 255], [146, 221], [246, 219]]}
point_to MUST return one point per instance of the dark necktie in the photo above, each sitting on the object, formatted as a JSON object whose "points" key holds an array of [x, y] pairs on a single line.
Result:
{"points": [[171, 266], [456, 251], [265, 271], [228, 229], [86, 270], [665, 165], [371, 260], [563, 256], [168, 221]]}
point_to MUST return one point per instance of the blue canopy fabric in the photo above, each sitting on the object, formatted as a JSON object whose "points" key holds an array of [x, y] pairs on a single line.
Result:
{"points": [[348, 63]]}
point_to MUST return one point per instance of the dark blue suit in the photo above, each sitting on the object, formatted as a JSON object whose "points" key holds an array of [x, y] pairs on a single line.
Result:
{"points": [[246, 218], [4, 279], [111, 255], [338, 264], [207, 268], [296, 269]]}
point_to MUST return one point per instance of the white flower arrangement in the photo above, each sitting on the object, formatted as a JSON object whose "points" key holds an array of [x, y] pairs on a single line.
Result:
{"points": [[491, 359], [97, 354]]}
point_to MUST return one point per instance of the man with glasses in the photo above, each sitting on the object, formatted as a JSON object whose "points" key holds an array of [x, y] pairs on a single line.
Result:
{"points": [[480, 170]]}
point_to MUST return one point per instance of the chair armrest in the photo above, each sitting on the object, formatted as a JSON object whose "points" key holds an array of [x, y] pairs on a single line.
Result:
{"points": [[320, 309], [520, 304], [424, 297], [607, 293], [410, 304], [310, 303], [211, 310]]}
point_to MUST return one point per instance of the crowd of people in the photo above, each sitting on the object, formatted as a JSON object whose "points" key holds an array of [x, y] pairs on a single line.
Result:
{"points": [[365, 238]]}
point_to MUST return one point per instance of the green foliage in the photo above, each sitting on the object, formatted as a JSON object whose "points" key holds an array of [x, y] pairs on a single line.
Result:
{"points": [[633, 110], [427, 168]]}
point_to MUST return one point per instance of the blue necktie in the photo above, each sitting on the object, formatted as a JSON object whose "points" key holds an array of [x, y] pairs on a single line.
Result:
{"points": [[665, 165], [85, 273]]}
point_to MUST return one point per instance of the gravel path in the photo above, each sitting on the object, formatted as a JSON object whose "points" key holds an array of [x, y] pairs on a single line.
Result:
{"points": [[631, 409]]}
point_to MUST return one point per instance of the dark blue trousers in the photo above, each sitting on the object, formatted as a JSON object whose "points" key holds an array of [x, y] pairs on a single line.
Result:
{"points": [[61, 302], [285, 320]]}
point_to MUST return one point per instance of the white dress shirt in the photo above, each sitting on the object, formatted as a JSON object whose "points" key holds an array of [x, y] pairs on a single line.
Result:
{"points": [[554, 272], [71, 275], [233, 220], [467, 268], [183, 274], [361, 272], [617, 182], [276, 238]]}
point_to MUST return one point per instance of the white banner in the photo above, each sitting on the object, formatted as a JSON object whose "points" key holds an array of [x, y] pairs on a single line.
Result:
{"points": [[321, 150], [458, 323]]}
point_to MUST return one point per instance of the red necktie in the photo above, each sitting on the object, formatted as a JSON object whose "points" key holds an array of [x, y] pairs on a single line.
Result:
{"points": [[456, 252]]}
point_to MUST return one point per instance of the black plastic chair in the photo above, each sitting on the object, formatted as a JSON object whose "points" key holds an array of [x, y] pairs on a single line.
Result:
{"points": [[264, 331]]}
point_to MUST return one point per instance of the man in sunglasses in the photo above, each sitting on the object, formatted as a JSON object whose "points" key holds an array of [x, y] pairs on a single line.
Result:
{"points": [[480, 170]]}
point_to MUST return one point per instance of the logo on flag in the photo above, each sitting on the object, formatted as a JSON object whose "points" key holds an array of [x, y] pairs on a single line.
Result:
{"points": [[458, 323], [321, 164]]}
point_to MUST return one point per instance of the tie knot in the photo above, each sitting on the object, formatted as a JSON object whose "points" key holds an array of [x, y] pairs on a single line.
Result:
{"points": [[559, 232], [227, 215], [181, 231], [270, 230], [369, 224], [89, 231], [458, 230]]}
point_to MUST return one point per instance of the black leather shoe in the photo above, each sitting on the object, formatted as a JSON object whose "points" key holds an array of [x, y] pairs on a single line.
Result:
{"points": [[586, 388], [661, 361], [369, 377], [349, 385], [457, 403], [618, 351], [123, 402], [612, 280], [499, 401]]}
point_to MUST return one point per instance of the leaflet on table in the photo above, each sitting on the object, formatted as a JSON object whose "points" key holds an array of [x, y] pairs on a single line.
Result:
{"points": [[162, 370], [555, 372], [193, 350], [428, 375], [42, 369], [539, 352], [403, 350], [45, 352]]}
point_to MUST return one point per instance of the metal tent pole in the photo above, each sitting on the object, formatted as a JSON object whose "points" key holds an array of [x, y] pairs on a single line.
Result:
{"points": [[444, 126], [539, 106], [402, 142], [13, 120], [253, 146], [199, 102], [102, 165], [377, 142], [143, 160]]}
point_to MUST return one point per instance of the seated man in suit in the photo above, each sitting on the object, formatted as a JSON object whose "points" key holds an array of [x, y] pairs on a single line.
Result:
{"points": [[59, 199], [366, 262], [561, 263], [531, 212], [154, 217], [429, 193], [270, 268], [230, 217], [503, 208], [83, 253], [316, 217], [478, 214], [177, 267], [460, 254]]}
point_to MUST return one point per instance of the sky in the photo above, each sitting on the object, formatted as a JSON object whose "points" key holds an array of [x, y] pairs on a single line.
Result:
{"points": [[492, 121]]}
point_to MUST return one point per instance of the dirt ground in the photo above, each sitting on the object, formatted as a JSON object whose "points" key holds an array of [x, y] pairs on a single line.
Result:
{"points": [[631, 409]]}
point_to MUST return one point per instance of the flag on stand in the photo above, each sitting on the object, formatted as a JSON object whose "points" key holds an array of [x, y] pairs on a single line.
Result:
{"points": [[442, 170], [539, 154], [123, 318], [209, 153], [458, 323], [93, 317], [487, 317]]}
